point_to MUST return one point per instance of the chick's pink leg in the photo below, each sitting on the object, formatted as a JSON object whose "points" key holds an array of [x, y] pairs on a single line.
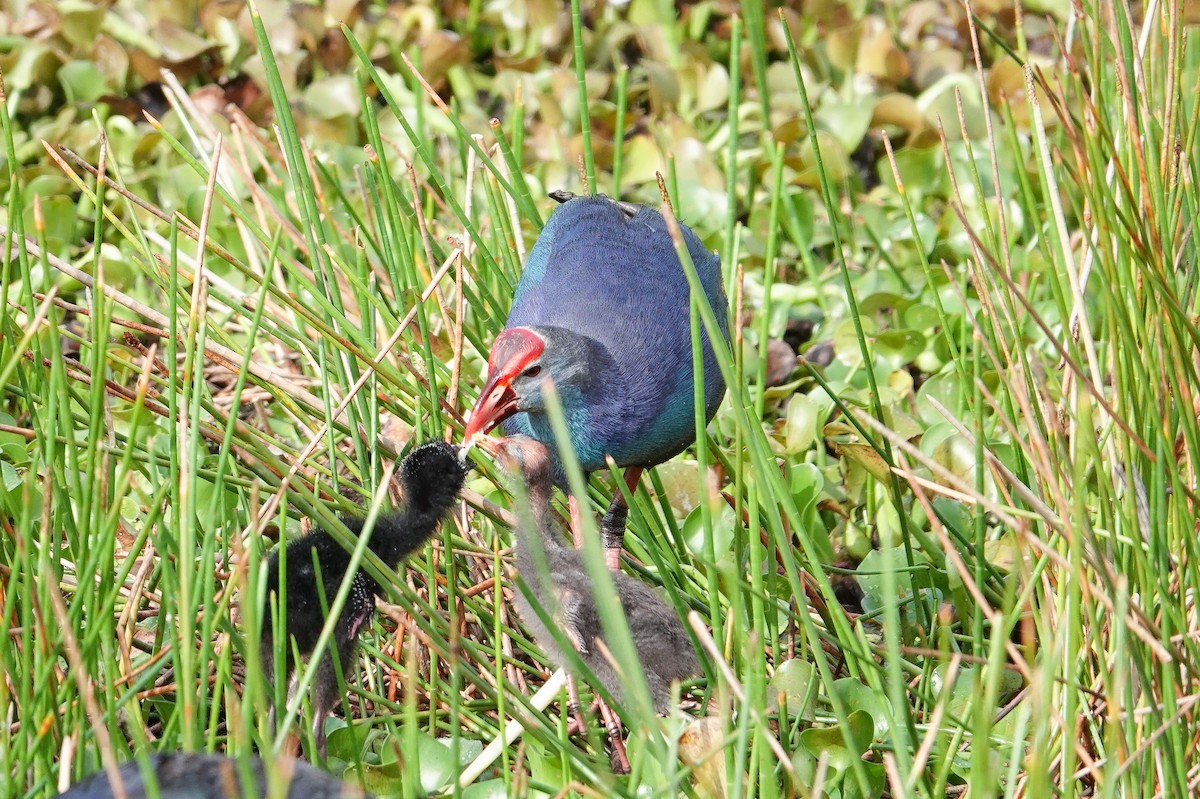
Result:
{"points": [[576, 521]]}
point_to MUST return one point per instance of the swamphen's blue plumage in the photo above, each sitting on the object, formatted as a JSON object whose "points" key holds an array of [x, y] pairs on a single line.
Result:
{"points": [[603, 308]]}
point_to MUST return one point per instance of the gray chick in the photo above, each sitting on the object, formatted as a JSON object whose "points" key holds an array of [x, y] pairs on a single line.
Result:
{"points": [[180, 775], [662, 643]]}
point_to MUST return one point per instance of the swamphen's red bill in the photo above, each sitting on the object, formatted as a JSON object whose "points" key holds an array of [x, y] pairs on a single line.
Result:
{"points": [[516, 351]]}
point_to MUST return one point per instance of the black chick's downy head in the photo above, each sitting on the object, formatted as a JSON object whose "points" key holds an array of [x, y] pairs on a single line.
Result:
{"points": [[432, 475]]}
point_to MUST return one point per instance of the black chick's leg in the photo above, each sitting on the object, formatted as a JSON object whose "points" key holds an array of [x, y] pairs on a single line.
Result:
{"points": [[268, 661], [326, 692], [266, 656], [612, 526]]}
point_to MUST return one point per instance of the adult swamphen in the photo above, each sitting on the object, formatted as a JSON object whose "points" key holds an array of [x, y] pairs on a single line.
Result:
{"points": [[182, 775], [603, 310], [432, 475]]}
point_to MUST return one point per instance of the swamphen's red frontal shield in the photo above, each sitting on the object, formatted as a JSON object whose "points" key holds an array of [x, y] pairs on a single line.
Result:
{"points": [[603, 310]]}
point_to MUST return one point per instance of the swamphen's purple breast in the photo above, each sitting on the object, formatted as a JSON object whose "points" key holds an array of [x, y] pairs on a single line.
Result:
{"points": [[605, 290]]}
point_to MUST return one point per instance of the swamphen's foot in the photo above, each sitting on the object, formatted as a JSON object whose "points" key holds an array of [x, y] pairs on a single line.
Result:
{"points": [[612, 531], [618, 758], [612, 526]]}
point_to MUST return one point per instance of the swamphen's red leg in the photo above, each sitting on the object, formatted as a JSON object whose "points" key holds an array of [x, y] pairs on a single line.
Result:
{"points": [[612, 526]]}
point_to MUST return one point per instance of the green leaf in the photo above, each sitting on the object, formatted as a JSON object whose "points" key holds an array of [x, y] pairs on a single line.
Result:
{"points": [[58, 215], [801, 424], [10, 480], [492, 789], [722, 532], [347, 742], [903, 344], [829, 743], [857, 696], [793, 686], [79, 21], [82, 82], [870, 576]]}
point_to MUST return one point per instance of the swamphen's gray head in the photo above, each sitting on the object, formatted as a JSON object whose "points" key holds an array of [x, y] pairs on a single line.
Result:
{"points": [[521, 363]]}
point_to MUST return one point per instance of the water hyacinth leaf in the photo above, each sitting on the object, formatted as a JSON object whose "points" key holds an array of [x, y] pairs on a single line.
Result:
{"points": [[722, 532], [545, 766], [345, 741], [947, 390], [79, 22], [903, 424], [436, 764], [13, 446], [835, 158], [701, 748], [680, 482], [878, 54], [385, 779], [806, 483], [920, 316], [968, 681], [898, 111], [942, 98], [865, 456], [916, 166], [870, 576], [34, 64], [332, 97], [857, 696], [829, 744], [846, 122], [793, 686], [801, 424], [881, 302], [10, 479], [490, 789], [856, 540], [952, 514], [1004, 552], [713, 90], [58, 214], [903, 345], [82, 82]]}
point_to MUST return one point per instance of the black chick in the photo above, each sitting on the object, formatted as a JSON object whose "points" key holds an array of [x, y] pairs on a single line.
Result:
{"points": [[180, 775], [431, 475], [662, 643]]}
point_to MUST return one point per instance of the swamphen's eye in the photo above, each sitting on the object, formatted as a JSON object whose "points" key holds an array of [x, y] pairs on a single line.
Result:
{"points": [[532, 371]]}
